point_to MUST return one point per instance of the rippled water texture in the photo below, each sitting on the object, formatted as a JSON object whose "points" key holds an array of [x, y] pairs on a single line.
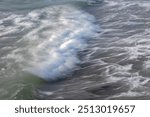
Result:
{"points": [[115, 65], [75, 50], [40, 42]]}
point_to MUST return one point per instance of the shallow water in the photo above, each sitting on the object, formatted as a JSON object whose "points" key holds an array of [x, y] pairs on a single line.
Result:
{"points": [[74, 50]]}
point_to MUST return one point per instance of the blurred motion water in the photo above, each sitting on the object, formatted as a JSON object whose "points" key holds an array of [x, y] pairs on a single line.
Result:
{"points": [[74, 49]]}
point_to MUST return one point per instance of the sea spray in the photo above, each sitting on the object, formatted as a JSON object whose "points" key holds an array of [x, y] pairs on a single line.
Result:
{"points": [[51, 47]]}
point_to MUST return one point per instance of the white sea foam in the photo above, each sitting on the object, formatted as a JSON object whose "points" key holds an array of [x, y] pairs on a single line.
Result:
{"points": [[49, 50]]}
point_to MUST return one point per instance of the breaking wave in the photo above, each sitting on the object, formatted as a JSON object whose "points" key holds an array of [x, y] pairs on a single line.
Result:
{"points": [[51, 39]]}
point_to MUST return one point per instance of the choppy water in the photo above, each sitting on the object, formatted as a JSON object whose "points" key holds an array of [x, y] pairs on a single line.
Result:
{"points": [[74, 49]]}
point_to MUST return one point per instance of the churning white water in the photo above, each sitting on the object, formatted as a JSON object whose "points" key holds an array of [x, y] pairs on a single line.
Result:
{"points": [[41, 38], [48, 40], [54, 37]]}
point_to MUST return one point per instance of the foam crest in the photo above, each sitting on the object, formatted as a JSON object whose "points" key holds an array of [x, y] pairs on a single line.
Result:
{"points": [[51, 47]]}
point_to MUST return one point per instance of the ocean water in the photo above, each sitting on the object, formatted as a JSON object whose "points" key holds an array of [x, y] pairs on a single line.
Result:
{"points": [[74, 49]]}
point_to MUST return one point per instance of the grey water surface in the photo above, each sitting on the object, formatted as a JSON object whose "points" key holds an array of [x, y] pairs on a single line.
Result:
{"points": [[74, 49]]}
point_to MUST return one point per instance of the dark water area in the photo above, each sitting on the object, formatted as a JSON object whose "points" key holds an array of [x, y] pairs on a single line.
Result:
{"points": [[75, 50]]}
